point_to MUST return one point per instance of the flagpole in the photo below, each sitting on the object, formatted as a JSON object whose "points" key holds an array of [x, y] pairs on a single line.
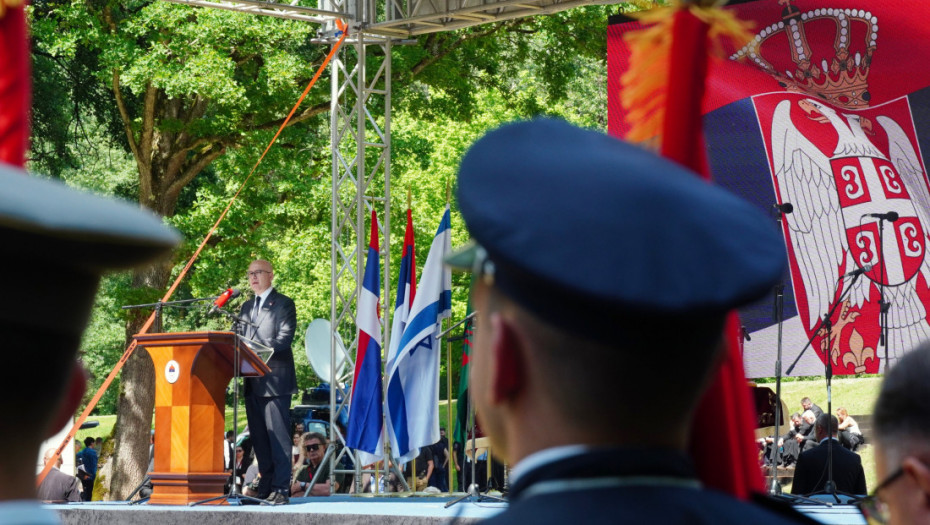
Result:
{"points": [[449, 412], [448, 383]]}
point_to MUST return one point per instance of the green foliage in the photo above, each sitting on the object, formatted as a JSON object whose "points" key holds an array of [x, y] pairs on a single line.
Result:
{"points": [[245, 72]]}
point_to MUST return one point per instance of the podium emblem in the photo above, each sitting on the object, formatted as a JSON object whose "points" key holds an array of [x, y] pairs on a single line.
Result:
{"points": [[172, 371]]}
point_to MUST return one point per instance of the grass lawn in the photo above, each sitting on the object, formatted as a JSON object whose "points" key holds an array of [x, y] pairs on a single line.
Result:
{"points": [[856, 394], [103, 430]]}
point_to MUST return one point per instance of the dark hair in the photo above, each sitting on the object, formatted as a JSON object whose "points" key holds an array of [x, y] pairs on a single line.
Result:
{"points": [[88, 441], [587, 370], [827, 419], [314, 435], [903, 406]]}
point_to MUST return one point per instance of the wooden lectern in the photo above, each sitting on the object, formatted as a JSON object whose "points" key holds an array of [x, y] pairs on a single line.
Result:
{"points": [[192, 370]]}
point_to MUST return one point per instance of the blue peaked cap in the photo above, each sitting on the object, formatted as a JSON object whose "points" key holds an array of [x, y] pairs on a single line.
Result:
{"points": [[580, 226]]}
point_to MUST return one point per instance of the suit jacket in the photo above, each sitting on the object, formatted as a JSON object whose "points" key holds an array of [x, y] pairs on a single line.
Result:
{"points": [[810, 476], [277, 321], [58, 486], [806, 430], [627, 486]]}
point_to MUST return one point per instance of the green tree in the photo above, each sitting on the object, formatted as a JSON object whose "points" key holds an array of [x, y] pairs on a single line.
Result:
{"points": [[189, 97]]}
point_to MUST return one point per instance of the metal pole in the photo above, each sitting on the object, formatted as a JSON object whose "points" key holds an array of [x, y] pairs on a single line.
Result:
{"points": [[449, 411]]}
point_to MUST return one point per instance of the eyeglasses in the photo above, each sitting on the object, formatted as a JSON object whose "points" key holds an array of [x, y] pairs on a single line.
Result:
{"points": [[873, 509], [239, 451], [256, 273], [313, 448]]}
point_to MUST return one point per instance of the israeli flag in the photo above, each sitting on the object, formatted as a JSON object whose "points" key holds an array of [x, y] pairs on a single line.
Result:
{"points": [[413, 370]]}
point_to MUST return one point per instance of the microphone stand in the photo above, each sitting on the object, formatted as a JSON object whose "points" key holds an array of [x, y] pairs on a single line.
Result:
{"points": [[827, 324], [159, 306], [779, 312], [883, 306], [775, 487], [239, 329]]}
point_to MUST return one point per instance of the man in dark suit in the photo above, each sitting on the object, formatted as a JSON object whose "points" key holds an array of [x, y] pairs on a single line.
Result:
{"points": [[807, 404], [602, 277], [270, 318], [806, 437], [810, 476], [58, 486]]}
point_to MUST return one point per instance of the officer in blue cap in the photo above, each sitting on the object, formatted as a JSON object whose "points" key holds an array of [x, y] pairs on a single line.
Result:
{"points": [[55, 242], [602, 276]]}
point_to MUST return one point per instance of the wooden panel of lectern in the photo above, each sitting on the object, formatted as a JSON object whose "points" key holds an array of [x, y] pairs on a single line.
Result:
{"points": [[192, 370]]}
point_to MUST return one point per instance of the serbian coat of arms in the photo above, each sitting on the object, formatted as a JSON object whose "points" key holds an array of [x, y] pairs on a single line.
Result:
{"points": [[854, 176]]}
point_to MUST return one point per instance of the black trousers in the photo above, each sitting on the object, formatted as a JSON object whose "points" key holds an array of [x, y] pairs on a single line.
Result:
{"points": [[88, 492], [270, 434]]}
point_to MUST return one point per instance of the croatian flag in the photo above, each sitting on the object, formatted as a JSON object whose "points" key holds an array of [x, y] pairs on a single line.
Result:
{"points": [[406, 291], [413, 370], [365, 413]]}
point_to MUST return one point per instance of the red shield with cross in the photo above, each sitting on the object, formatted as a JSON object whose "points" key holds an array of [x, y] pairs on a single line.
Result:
{"points": [[868, 186]]}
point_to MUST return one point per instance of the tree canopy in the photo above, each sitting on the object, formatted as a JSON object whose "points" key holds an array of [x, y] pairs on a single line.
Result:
{"points": [[170, 106]]}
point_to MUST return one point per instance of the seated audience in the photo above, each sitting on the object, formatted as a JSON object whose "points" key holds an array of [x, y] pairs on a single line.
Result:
{"points": [[251, 479], [424, 465], [786, 442], [811, 474], [314, 448], [58, 486], [850, 435], [295, 450], [807, 404], [806, 436]]}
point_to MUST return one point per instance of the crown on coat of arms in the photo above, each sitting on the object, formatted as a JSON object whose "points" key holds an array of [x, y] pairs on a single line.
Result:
{"points": [[843, 82]]}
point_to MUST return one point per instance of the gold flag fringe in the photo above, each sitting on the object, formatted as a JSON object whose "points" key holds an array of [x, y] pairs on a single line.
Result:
{"points": [[644, 86]]}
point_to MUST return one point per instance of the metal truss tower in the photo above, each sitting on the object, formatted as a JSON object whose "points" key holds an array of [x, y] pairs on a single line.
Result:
{"points": [[360, 121]]}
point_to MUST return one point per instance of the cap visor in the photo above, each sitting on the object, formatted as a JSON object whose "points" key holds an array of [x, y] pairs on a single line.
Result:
{"points": [[463, 259]]}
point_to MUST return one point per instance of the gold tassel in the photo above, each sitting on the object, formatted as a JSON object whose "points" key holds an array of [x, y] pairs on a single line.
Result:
{"points": [[644, 86]]}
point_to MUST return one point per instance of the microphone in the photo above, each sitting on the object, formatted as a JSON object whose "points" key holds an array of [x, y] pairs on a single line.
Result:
{"points": [[858, 271], [785, 208], [891, 216], [230, 293]]}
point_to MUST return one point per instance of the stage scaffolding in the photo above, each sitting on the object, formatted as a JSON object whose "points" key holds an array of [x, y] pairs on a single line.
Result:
{"points": [[360, 119]]}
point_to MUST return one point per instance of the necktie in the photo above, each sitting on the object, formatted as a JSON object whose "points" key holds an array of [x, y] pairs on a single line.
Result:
{"points": [[256, 308]]}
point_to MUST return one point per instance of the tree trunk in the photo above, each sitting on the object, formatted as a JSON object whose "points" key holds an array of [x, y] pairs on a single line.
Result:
{"points": [[136, 400]]}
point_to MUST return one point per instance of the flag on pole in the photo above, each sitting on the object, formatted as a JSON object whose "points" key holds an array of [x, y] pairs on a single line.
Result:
{"points": [[406, 291], [461, 419], [678, 40], [413, 369], [364, 434], [778, 115], [406, 287]]}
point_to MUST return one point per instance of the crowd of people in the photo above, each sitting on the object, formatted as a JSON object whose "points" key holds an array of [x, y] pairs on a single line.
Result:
{"points": [[801, 436], [612, 448], [805, 448]]}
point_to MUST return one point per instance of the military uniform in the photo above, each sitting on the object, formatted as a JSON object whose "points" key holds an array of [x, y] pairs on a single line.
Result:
{"points": [[591, 236]]}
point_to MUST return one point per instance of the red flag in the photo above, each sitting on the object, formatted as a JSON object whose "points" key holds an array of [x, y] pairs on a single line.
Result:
{"points": [[824, 109], [677, 117], [15, 83]]}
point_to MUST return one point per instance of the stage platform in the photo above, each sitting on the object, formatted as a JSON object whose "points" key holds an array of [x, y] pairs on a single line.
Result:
{"points": [[342, 510], [411, 510]]}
